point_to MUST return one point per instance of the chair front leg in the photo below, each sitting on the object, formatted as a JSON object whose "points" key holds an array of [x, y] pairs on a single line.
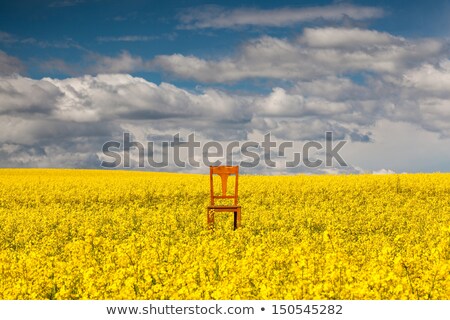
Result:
{"points": [[210, 218], [239, 218]]}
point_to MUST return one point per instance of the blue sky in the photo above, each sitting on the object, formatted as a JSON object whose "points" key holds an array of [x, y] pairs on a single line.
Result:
{"points": [[74, 74], [70, 30]]}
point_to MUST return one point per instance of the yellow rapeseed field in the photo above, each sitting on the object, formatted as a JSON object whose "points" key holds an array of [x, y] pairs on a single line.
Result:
{"points": [[87, 234]]}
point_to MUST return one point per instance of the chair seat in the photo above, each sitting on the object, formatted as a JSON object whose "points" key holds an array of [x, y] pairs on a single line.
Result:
{"points": [[224, 207]]}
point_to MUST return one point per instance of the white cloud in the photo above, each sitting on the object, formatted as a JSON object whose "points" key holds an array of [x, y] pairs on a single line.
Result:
{"points": [[435, 115], [6, 37], [94, 64], [65, 3], [400, 147], [332, 88], [9, 65], [265, 57], [269, 57], [346, 38], [190, 66], [66, 43], [51, 66], [383, 171], [430, 78], [219, 17], [319, 104], [280, 103], [129, 38], [119, 96], [123, 63], [43, 131], [75, 116], [27, 96]]}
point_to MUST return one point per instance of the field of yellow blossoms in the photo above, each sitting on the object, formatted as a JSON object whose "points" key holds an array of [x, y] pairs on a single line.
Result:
{"points": [[87, 234]]}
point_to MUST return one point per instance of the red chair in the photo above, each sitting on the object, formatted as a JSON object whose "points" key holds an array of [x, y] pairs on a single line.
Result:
{"points": [[224, 172]]}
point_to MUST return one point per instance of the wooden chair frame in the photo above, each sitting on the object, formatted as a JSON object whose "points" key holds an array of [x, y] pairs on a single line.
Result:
{"points": [[224, 172]]}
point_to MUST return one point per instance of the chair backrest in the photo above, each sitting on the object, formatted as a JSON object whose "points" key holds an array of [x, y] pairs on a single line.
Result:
{"points": [[224, 172]]}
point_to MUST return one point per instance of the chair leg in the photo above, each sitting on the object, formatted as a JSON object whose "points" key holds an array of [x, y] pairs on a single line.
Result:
{"points": [[237, 219], [210, 218]]}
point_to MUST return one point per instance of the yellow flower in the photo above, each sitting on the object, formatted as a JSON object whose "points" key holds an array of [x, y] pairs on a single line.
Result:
{"points": [[86, 234]]}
